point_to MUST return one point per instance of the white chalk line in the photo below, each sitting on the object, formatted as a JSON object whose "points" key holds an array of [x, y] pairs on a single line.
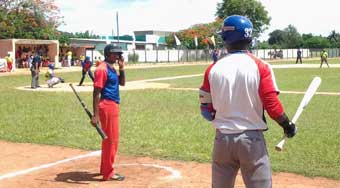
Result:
{"points": [[286, 92], [317, 93], [175, 174], [22, 172]]}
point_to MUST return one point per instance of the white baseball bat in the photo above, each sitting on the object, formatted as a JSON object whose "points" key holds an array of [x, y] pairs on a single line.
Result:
{"points": [[313, 86]]}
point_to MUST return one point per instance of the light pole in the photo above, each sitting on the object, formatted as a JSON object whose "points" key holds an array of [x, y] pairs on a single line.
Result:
{"points": [[117, 27]]}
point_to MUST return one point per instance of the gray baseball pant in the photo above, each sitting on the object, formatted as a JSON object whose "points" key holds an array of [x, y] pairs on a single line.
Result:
{"points": [[246, 151]]}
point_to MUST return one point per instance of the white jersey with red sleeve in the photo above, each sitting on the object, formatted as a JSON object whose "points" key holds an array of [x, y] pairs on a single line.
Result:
{"points": [[241, 87]]}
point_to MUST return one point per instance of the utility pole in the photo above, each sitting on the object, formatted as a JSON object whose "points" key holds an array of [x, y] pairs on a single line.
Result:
{"points": [[117, 27]]}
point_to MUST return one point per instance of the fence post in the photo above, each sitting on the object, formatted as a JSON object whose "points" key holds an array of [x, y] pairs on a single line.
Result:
{"points": [[157, 53], [145, 53], [177, 54], [196, 54], [287, 52], [187, 55], [264, 54]]}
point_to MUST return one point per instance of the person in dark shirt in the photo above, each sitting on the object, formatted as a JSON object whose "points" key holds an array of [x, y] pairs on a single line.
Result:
{"points": [[35, 69], [298, 56]]}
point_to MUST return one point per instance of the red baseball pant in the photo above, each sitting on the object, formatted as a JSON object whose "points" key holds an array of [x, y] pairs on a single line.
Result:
{"points": [[109, 119]]}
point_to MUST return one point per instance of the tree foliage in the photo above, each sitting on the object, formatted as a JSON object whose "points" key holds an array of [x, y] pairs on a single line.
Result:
{"points": [[311, 41], [291, 38], [252, 9], [64, 37], [31, 19], [203, 32], [334, 39], [276, 37]]}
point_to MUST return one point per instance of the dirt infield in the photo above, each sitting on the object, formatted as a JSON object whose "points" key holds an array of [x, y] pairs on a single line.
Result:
{"points": [[43, 170]]}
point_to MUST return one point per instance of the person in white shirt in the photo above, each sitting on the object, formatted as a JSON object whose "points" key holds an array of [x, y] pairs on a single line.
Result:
{"points": [[235, 92]]}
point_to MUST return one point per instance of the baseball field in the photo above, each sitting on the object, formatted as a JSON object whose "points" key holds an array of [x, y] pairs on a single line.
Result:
{"points": [[164, 140]]}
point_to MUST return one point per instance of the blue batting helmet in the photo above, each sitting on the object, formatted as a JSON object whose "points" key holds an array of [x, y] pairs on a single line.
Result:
{"points": [[51, 66], [236, 28]]}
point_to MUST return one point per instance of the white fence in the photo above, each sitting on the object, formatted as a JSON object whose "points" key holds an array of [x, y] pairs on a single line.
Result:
{"points": [[206, 55]]}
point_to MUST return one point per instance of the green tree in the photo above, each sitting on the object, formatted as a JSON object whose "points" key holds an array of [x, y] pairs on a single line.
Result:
{"points": [[276, 37], [287, 38], [263, 45], [334, 39], [35, 19], [253, 9], [310, 41], [292, 38], [64, 37]]}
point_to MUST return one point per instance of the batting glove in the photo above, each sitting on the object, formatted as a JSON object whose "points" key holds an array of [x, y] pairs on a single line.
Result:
{"points": [[290, 130]]}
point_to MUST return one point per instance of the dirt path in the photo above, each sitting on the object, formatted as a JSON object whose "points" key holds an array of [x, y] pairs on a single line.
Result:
{"points": [[140, 172]]}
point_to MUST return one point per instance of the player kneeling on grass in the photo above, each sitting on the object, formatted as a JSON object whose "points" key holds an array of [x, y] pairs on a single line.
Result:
{"points": [[235, 92], [51, 78]]}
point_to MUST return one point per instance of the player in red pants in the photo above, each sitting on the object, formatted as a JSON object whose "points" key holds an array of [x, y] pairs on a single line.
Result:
{"points": [[106, 107]]}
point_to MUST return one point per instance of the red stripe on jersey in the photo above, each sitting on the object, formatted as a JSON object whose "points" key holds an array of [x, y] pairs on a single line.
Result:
{"points": [[100, 76], [206, 85], [267, 90]]}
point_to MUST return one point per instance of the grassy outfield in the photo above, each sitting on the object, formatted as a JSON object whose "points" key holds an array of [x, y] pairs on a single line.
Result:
{"points": [[167, 123], [305, 61]]}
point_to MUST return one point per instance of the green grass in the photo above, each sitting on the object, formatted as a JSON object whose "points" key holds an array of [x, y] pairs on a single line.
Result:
{"points": [[287, 79], [167, 124], [305, 61]]}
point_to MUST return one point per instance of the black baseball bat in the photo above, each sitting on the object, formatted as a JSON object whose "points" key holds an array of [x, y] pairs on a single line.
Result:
{"points": [[99, 130]]}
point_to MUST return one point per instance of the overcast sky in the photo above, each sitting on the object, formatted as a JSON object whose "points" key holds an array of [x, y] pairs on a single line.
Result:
{"points": [[99, 16]]}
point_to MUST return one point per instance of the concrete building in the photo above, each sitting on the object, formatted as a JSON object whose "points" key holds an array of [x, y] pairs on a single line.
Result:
{"points": [[142, 40]]}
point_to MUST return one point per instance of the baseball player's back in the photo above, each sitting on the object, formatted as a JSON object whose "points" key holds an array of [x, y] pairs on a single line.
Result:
{"points": [[235, 92], [234, 83]]}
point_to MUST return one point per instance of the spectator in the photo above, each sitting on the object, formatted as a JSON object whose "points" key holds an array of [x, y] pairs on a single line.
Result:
{"points": [[215, 55], [69, 58], [3, 65], [9, 63]]}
